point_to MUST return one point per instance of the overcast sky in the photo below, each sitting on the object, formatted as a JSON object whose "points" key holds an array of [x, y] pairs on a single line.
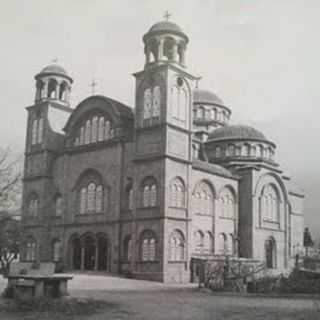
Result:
{"points": [[259, 56]]}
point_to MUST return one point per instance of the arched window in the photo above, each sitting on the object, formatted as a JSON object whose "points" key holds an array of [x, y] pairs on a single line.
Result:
{"points": [[208, 243], [204, 199], [40, 130], [223, 244], [58, 206], [91, 197], [218, 152], [101, 129], [52, 89], [177, 193], [81, 136], [33, 206], [56, 250], [31, 246], [201, 112], [87, 135], [127, 248], [176, 246], [148, 246], [253, 151], [227, 204], [246, 150], [94, 129], [34, 131], [198, 241], [270, 203], [156, 102], [107, 130], [63, 91], [270, 253], [147, 104], [261, 151], [149, 193], [231, 150]]}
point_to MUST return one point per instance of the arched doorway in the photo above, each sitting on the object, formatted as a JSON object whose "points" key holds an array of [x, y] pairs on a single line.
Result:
{"points": [[102, 253], [76, 253], [89, 253]]}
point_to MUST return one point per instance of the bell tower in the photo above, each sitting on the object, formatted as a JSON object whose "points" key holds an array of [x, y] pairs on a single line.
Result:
{"points": [[163, 131], [44, 140]]}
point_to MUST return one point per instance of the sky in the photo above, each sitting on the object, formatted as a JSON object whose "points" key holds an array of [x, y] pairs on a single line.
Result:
{"points": [[259, 56]]}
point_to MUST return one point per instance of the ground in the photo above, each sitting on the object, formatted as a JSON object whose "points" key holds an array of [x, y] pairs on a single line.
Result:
{"points": [[143, 300]]}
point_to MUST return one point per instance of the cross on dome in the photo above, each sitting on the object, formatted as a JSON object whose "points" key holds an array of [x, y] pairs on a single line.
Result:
{"points": [[167, 15], [55, 60], [93, 85]]}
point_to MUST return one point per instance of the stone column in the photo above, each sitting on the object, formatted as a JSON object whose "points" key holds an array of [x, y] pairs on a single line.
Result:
{"points": [[183, 56], [96, 255], [175, 52], [82, 257], [44, 92]]}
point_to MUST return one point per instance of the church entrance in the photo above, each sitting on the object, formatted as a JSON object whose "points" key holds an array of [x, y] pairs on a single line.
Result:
{"points": [[89, 252]]}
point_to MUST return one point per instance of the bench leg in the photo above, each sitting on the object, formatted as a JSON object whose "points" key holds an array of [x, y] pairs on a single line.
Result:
{"points": [[39, 289], [63, 288]]}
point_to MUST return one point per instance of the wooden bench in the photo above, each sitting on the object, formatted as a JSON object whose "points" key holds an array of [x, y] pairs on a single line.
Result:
{"points": [[29, 280]]}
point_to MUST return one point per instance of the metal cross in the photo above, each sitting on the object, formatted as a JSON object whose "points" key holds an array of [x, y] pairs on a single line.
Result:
{"points": [[93, 85], [167, 15]]}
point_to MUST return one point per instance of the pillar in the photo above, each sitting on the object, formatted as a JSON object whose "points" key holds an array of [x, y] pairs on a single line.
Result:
{"points": [[160, 49], [96, 255], [183, 56], [82, 257], [175, 52], [44, 92], [57, 91]]}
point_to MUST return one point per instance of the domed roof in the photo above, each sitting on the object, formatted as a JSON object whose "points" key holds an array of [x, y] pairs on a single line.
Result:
{"points": [[237, 132], [165, 26], [205, 96], [54, 68]]}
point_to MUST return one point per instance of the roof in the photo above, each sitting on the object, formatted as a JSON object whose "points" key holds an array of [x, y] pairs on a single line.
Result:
{"points": [[54, 69], [237, 132], [165, 27], [212, 168], [205, 96]]}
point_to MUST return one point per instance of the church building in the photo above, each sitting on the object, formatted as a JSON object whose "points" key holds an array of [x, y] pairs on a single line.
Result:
{"points": [[143, 190]]}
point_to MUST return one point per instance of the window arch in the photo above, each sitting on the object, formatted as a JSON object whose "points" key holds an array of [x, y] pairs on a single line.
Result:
{"points": [[31, 247], [92, 193], [52, 89], [148, 245], [223, 244], [270, 253], [33, 205], [127, 248], [176, 246], [37, 131], [58, 206], [56, 250], [151, 104], [198, 241], [177, 193], [149, 192], [204, 199], [270, 203], [63, 91], [179, 102], [147, 104], [208, 243], [227, 203], [218, 152], [156, 96]]}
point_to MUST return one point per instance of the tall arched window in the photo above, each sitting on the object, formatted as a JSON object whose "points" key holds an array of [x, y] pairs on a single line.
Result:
{"points": [[223, 244], [270, 253], [148, 246], [81, 136], [208, 243], [56, 250], [204, 199], [31, 246], [34, 131], [227, 204], [270, 203], [33, 205], [91, 195], [149, 192], [101, 129], [156, 102], [40, 130], [147, 104], [177, 193], [198, 241], [87, 135], [176, 246], [94, 129], [63, 91], [58, 206], [52, 89]]}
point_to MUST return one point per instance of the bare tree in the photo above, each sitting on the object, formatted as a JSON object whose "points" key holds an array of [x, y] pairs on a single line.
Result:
{"points": [[10, 180]]}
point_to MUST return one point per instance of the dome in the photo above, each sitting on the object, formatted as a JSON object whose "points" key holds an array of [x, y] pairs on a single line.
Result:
{"points": [[237, 132], [205, 96], [54, 68], [165, 27]]}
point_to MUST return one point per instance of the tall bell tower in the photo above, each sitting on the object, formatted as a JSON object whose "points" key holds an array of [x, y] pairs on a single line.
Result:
{"points": [[163, 135]]}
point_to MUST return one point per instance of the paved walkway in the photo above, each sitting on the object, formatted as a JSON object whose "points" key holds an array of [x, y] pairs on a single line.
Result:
{"points": [[145, 300]]}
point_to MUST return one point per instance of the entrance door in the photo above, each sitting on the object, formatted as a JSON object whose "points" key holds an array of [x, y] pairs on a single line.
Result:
{"points": [[76, 257], [89, 253]]}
